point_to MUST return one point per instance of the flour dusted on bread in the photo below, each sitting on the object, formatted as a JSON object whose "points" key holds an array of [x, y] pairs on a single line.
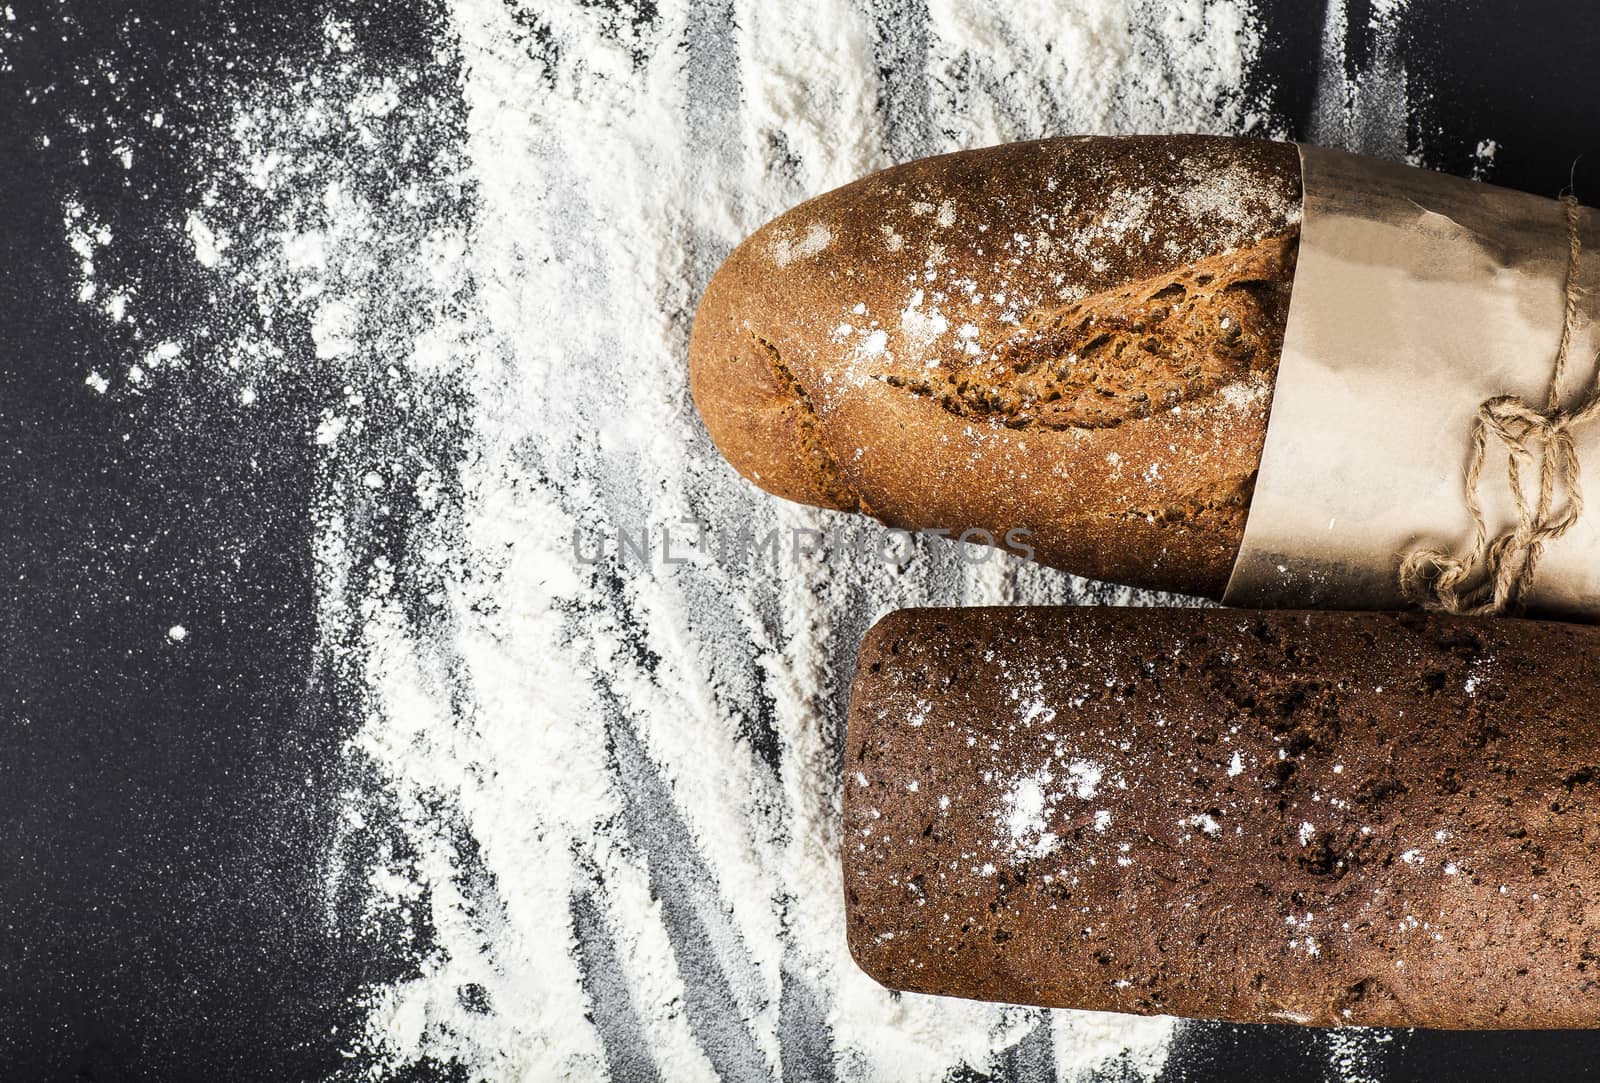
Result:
{"points": [[1332, 818], [1073, 336]]}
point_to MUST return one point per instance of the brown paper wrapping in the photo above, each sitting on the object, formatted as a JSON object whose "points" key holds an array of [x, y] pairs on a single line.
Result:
{"points": [[1416, 297]]}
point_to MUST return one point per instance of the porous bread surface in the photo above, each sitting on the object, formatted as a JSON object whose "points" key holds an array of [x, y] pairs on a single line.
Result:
{"points": [[1322, 818], [1073, 336], [1127, 353]]}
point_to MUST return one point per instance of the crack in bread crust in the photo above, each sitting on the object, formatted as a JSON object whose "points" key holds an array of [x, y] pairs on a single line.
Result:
{"points": [[1125, 353], [830, 475], [1228, 498]]}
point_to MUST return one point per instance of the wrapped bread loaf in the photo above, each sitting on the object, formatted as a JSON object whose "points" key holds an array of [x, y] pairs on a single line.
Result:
{"points": [[1370, 819], [1076, 337]]}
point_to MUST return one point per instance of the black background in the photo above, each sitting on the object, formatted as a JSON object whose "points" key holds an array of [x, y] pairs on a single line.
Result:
{"points": [[164, 808]]}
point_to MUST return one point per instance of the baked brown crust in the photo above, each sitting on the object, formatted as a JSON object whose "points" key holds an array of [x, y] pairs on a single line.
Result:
{"points": [[1328, 818], [1073, 336]]}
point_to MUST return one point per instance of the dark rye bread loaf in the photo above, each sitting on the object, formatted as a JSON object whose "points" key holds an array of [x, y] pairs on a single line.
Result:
{"points": [[1337, 818], [1074, 336]]}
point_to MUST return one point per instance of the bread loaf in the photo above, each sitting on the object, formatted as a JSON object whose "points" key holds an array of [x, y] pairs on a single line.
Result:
{"points": [[1077, 337], [1337, 818]]}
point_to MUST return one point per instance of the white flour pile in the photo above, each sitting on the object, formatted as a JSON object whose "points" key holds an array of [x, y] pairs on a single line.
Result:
{"points": [[597, 801]]}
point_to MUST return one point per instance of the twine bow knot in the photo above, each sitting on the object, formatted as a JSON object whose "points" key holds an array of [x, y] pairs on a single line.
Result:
{"points": [[1495, 574]]}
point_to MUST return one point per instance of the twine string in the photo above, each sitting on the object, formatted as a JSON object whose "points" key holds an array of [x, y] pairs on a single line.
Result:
{"points": [[1495, 574]]}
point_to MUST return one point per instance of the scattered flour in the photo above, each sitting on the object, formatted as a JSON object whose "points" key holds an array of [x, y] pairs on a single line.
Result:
{"points": [[1024, 808], [813, 242], [1085, 778], [597, 803]]}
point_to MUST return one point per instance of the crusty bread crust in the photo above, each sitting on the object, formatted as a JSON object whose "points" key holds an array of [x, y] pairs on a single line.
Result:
{"points": [[1374, 819], [1073, 336]]}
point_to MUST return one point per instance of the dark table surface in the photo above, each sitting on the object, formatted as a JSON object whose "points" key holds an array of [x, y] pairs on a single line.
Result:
{"points": [[163, 812]]}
